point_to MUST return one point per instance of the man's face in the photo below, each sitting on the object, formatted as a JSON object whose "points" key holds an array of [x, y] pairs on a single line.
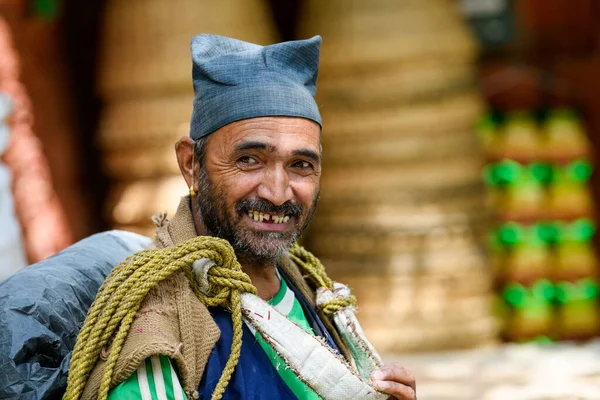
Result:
{"points": [[260, 183]]}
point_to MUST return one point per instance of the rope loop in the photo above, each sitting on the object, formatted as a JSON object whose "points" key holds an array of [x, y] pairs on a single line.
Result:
{"points": [[334, 305], [316, 274]]}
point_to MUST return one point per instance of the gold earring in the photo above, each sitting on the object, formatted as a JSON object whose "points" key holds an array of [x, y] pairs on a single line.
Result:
{"points": [[192, 191]]}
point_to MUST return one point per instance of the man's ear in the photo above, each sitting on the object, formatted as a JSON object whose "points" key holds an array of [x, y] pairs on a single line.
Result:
{"points": [[186, 158]]}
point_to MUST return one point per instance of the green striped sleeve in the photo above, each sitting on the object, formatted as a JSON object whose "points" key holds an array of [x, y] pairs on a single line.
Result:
{"points": [[155, 379]]}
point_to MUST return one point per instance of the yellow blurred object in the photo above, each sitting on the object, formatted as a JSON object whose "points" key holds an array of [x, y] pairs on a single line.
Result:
{"points": [[520, 139], [565, 136]]}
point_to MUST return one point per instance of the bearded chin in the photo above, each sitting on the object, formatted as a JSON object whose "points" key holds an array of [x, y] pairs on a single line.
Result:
{"points": [[247, 243]]}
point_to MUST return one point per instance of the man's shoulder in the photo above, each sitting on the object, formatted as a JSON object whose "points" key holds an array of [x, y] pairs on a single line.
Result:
{"points": [[173, 322]]}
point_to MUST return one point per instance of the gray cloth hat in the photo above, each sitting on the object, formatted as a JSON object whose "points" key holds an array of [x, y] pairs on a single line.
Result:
{"points": [[235, 80]]}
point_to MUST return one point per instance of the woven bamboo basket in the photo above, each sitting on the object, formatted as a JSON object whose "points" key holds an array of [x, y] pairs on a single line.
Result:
{"points": [[462, 263], [428, 299], [141, 163], [429, 213], [138, 136], [377, 242], [441, 116], [377, 181], [362, 33], [410, 82], [401, 150], [145, 48], [423, 132], [153, 121], [403, 216]]}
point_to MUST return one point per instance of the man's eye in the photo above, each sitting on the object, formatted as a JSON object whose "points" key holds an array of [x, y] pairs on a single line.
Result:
{"points": [[303, 164], [247, 160]]}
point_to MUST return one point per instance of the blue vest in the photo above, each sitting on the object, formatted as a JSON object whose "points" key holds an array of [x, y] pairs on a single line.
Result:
{"points": [[254, 378]]}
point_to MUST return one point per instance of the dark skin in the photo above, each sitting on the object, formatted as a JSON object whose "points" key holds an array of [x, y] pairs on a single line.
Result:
{"points": [[277, 159]]}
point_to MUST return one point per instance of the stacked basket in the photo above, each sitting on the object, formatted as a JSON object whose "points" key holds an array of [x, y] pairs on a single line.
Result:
{"points": [[146, 82], [402, 217]]}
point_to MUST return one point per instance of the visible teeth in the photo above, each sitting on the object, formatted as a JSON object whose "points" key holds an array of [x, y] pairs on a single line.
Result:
{"points": [[258, 216], [278, 219]]}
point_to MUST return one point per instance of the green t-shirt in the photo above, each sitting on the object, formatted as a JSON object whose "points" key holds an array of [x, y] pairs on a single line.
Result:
{"points": [[156, 379]]}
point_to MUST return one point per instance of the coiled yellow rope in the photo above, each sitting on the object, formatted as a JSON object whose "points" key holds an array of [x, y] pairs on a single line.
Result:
{"points": [[112, 313], [317, 275]]}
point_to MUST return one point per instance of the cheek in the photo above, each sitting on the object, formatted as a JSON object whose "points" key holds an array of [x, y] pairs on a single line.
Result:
{"points": [[236, 186], [305, 192]]}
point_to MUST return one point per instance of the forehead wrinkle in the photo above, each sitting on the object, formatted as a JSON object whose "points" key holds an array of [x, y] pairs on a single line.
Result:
{"points": [[262, 130]]}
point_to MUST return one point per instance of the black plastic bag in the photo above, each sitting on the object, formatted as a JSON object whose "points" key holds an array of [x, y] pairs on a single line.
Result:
{"points": [[43, 307]]}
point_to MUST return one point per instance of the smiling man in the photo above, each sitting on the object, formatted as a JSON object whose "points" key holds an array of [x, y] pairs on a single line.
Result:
{"points": [[252, 163]]}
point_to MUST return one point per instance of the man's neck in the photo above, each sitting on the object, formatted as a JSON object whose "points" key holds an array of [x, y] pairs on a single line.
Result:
{"points": [[263, 275]]}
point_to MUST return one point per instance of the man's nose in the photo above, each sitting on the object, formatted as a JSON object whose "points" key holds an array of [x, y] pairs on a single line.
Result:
{"points": [[275, 187]]}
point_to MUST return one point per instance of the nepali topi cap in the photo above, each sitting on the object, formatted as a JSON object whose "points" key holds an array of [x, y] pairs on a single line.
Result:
{"points": [[235, 80]]}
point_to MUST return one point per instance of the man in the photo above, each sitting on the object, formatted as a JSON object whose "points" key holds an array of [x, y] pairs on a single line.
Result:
{"points": [[253, 163]]}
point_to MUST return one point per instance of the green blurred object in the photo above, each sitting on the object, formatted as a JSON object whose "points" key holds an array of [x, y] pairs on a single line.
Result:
{"points": [[543, 340], [579, 170], [547, 232], [503, 173], [510, 234], [580, 230], [563, 291], [515, 294], [542, 172], [589, 288], [46, 9], [583, 289], [543, 290], [532, 310], [507, 172]]}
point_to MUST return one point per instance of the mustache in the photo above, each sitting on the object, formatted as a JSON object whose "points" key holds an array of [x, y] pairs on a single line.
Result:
{"points": [[262, 205]]}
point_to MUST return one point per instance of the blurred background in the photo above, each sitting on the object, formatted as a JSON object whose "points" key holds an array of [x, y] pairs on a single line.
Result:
{"points": [[458, 194]]}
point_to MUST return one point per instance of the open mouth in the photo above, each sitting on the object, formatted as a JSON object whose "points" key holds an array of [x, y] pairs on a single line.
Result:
{"points": [[267, 218]]}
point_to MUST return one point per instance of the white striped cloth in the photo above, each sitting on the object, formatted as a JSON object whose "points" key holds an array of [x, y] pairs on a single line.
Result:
{"points": [[155, 379]]}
